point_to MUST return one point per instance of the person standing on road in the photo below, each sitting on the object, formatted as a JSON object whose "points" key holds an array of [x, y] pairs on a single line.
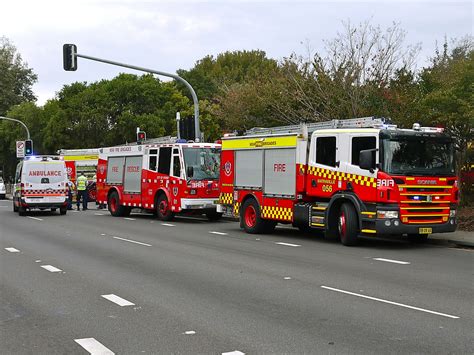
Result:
{"points": [[70, 189], [81, 192]]}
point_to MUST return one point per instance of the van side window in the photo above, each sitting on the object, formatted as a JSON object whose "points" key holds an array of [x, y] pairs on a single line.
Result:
{"points": [[326, 151], [164, 161], [361, 143], [176, 166]]}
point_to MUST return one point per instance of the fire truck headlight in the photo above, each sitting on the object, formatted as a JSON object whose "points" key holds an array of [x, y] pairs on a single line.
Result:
{"points": [[452, 213], [387, 214]]}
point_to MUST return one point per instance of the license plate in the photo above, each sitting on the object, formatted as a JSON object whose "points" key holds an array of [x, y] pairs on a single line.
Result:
{"points": [[425, 230]]}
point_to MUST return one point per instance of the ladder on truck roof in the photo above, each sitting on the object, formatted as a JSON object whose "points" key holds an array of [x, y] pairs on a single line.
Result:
{"points": [[363, 122]]}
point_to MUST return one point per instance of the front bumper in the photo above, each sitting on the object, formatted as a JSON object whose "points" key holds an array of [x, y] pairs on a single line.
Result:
{"points": [[56, 203], [198, 203], [383, 229]]}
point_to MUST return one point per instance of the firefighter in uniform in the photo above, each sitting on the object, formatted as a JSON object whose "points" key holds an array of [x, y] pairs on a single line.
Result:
{"points": [[81, 192]]}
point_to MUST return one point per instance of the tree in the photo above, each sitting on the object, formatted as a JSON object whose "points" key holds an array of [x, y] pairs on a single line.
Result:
{"points": [[16, 79]]}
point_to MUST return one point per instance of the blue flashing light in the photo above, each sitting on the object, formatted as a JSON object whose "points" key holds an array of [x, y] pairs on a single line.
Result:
{"points": [[181, 141], [416, 197]]}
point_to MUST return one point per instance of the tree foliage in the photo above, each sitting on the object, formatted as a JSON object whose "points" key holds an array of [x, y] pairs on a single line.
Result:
{"points": [[16, 79]]}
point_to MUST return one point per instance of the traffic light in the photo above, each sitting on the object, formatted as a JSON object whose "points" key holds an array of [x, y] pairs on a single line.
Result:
{"points": [[186, 128], [141, 137], [28, 147], [69, 57]]}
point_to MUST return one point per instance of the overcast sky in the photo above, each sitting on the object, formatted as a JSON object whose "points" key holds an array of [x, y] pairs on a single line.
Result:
{"points": [[172, 35]]}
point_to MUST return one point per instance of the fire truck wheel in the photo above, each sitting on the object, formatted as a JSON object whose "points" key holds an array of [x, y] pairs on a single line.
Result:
{"points": [[347, 224], [250, 213], [417, 238], [213, 216], [163, 210], [115, 208]]}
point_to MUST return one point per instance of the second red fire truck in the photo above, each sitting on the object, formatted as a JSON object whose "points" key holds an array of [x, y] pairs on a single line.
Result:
{"points": [[346, 178], [164, 176]]}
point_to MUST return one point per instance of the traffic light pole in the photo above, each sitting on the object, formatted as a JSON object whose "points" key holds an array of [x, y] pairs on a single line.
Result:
{"points": [[174, 76], [14, 120]]}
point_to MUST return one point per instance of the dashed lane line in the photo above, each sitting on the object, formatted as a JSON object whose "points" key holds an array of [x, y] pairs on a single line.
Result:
{"points": [[35, 218], [99, 214], [218, 233], [390, 302], [288, 244], [167, 224], [51, 268], [130, 219], [132, 241], [393, 261], [93, 347], [12, 250], [235, 352], [118, 300]]}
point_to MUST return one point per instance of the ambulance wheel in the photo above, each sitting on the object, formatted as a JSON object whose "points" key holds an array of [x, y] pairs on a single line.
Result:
{"points": [[115, 208], [213, 216], [22, 211], [163, 210], [62, 211], [252, 220], [347, 224]]}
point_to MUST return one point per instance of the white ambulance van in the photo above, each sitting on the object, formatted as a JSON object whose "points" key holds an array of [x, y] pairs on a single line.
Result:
{"points": [[40, 183]]}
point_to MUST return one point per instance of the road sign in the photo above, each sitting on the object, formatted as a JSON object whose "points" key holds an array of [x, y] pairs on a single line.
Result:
{"points": [[20, 149]]}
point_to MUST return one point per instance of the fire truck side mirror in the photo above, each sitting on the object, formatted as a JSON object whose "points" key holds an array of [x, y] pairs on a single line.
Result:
{"points": [[190, 172], [367, 159]]}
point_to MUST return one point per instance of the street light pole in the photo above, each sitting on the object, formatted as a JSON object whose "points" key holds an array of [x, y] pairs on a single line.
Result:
{"points": [[14, 120], [174, 76]]}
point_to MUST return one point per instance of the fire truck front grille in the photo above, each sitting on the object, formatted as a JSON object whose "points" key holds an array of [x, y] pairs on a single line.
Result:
{"points": [[425, 213]]}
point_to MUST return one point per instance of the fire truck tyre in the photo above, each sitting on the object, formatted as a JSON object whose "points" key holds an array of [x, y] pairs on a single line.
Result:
{"points": [[269, 226], [417, 238], [22, 211], [347, 224], [115, 208], [253, 222], [62, 210], [163, 210], [213, 216]]}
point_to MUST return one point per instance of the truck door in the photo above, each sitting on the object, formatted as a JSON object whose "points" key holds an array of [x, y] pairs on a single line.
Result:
{"points": [[323, 165]]}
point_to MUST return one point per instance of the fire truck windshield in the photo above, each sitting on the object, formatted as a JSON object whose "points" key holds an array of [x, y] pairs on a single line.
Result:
{"points": [[205, 162], [419, 156]]}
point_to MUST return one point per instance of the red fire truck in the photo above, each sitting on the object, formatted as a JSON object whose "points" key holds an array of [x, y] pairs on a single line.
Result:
{"points": [[344, 177], [164, 176]]}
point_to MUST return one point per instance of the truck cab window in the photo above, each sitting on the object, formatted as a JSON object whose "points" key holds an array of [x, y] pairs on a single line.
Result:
{"points": [[176, 166], [326, 151], [361, 143], [165, 160]]}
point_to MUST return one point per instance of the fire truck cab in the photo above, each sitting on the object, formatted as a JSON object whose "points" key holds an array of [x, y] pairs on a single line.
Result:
{"points": [[344, 177], [164, 176]]}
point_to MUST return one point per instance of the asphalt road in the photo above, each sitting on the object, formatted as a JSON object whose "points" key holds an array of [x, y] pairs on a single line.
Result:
{"points": [[89, 282]]}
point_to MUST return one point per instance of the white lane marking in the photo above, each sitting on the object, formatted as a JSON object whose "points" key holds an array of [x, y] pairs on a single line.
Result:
{"points": [[35, 218], [37, 261], [132, 241], [93, 346], [390, 302], [218, 233], [288, 244], [190, 332], [392, 261], [235, 352], [51, 268], [130, 219], [102, 233], [118, 300], [287, 278], [12, 250], [99, 214], [167, 224], [5, 206]]}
